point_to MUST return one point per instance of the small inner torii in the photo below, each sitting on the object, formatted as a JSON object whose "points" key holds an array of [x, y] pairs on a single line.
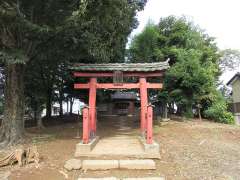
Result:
{"points": [[117, 71]]}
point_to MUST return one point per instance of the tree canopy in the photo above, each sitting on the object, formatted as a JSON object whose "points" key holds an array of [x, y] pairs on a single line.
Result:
{"points": [[191, 81], [39, 38]]}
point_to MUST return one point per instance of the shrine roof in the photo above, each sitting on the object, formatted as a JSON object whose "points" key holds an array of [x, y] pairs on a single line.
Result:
{"points": [[131, 67], [124, 95]]}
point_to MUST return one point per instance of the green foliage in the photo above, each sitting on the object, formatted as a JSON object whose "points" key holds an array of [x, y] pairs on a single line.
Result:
{"points": [[192, 77], [145, 46], [46, 35], [98, 30], [218, 111]]}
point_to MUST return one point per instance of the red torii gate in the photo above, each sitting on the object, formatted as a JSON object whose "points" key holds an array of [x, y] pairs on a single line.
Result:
{"points": [[140, 70]]}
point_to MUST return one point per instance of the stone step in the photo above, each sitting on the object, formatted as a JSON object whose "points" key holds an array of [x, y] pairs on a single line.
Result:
{"points": [[145, 178], [114, 164], [75, 164], [105, 178], [100, 164], [114, 178], [137, 164]]}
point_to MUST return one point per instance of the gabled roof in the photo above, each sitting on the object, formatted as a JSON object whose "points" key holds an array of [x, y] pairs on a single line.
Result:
{"points": [[131, 67], [234, 78]]}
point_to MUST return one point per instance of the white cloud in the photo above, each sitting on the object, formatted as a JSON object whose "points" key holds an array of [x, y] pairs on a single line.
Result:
{"points": [[220, 18]]}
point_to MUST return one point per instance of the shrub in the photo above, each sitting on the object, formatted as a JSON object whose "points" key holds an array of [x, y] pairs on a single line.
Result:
{"points": [[218, 111]]}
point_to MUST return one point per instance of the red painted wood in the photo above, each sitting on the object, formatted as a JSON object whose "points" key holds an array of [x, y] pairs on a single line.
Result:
{"points": [[149, 125], [92, 105], [154, 85], [81, 86], [125, 74], [86, 128], [144, 103], [113, 86], [123, 86]]}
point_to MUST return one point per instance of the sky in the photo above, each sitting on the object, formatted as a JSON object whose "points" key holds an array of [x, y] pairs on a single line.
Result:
{"points": [[219, 19]]}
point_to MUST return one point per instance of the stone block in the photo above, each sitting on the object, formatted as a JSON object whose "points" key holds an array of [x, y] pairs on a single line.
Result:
{"points": [[83, 149], [100, 164], [145, 178], [73, 164], [104, 178], [137, 164], [151, 150]]}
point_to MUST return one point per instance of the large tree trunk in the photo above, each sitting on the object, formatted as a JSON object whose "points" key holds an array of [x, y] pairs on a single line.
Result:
{"points": [[49, 103], [12, 128]]}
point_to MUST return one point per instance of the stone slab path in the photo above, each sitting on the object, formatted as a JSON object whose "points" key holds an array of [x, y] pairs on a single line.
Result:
{"points": [[118, 146], [114, 178]]}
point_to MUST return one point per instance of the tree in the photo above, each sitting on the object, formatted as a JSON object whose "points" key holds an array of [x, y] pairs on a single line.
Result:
{"points": [[25, 31], [145, 47], [191, 81], [45, 34]]}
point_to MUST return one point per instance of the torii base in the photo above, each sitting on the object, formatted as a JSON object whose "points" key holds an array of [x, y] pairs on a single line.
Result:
{"points": [[82, 149], [152, 150]]}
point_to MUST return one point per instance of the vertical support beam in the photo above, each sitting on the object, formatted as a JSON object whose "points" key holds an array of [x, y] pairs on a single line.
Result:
{"points": [[86, 125], [149, 124], [144, 103], [92, 105]]}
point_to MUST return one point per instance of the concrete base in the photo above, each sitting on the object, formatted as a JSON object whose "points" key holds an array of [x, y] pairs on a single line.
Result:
{"points": [[114, 178], [83, 149], [152, 150], [145, 178], [105, 178], [137, 164], [118, 147], [115, 164], [100, 164]]}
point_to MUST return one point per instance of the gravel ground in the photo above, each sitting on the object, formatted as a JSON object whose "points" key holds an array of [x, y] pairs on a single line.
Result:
{"points": [[189, 150]]}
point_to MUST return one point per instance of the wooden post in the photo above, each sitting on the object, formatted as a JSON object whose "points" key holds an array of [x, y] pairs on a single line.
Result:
{"points": [[144, 102], [86, 125], [92, 106], [149, 124]]}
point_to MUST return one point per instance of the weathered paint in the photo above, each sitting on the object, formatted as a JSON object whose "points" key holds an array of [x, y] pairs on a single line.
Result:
{"points": [[125, 74], [89, 124], [86, 125], [149, 124], [144, 102], [114, 86], [92, 105]]}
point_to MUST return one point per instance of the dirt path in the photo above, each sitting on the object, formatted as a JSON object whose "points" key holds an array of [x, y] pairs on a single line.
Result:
{"points": [[190, 150]]}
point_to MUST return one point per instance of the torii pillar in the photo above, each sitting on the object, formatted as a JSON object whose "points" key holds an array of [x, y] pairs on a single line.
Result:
{"points": [[92, 106], [144, 103]]}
